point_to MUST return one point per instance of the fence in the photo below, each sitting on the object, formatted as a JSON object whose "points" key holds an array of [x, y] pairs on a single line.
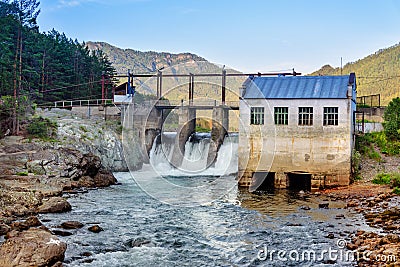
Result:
{"points": [[369, 101]]}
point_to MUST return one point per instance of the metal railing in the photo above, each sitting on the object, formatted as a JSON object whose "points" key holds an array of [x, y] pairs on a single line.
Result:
{"points": [[82, 103], [196, 103], [369, 101]]}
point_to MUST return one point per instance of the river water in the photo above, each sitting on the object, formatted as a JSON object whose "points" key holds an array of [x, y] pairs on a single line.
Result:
{"points": [[197, 216], [141, 231]]}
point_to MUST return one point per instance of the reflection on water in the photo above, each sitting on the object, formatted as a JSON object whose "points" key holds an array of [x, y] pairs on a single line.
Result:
{"points": [[284, 202]]}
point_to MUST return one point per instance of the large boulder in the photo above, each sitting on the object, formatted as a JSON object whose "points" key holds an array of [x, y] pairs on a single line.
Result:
{"points": [[104, 178], [54, 205], [34, 247]]}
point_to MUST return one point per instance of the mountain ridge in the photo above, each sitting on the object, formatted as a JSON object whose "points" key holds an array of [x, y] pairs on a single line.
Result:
{"points": [[377, 73]]}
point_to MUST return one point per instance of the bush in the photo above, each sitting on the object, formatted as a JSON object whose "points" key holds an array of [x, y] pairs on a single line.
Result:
{"points": [[367, 143], [396, 191], [392, 179], [42, 128], [382, 178], [392, 119], [395, 180]]}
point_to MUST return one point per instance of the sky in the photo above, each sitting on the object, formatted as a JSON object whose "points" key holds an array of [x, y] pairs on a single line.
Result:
{"points": [[250, 36]]}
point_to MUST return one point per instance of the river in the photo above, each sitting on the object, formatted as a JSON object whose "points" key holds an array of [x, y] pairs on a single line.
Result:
{"points": [[234, 230], [197, 216]]}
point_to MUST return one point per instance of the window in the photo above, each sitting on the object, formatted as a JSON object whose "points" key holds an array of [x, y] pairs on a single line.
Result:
{"points": [[281, 115], [331, 116], [257, 115], [305, 116]]}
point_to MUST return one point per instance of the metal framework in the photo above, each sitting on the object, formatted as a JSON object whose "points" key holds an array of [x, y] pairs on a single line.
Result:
{"points": [[192, 76]]}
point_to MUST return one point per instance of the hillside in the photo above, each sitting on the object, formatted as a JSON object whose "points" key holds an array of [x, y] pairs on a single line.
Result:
{"points": [[182, 63], [376, 74]]}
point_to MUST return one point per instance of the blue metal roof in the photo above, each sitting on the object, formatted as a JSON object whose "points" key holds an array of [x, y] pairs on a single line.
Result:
{"points": [[299, 87]]}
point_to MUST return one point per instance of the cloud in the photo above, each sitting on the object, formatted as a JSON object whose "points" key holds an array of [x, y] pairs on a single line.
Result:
{"points": [[69, 3], [74, 3]]}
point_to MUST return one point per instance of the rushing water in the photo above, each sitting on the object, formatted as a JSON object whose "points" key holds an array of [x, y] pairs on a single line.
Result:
{"points": [[223, 226]]}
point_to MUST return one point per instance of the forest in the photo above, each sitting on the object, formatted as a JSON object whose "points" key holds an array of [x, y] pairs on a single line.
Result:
{"points": [[40, 68]]}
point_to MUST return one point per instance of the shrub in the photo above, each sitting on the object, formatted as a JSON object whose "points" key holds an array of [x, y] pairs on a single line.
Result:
{"points": [[382, 178], [392, 119], [395, 182], [42, 128], [396, 191], [387, 178]]}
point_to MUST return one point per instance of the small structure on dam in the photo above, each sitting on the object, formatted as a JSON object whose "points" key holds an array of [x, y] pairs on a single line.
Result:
{"points": [[296, 131]]}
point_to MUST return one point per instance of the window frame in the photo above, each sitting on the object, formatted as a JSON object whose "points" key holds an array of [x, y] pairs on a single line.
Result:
{"points": [[281, 115], [257, 115], [331, 116], [305, 116]]}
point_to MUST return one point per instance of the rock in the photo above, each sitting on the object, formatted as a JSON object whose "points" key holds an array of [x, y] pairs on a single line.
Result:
{"points": [[294, 224], [71, 225], [55, 205], [36, 167], [324, 205], [137, 242], [340, 216], [86, 181], [61, 233], [352, 203], [90, 164], [360, 232], [351, 246], [19, 226], [104, 178], [305, 208], [390, 227], [377, 221], [33, 221], [34, 247], [95, 229], [4, 229], [330, 235], [86, 254], [20, 210]]}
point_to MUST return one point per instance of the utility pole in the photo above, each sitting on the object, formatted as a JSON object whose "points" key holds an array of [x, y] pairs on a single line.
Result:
{"points": [[102, 88], [223, 85]]}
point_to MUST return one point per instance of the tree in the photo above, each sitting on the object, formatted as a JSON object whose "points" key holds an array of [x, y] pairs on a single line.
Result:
{"points": [[26, 15], [392, 119]]}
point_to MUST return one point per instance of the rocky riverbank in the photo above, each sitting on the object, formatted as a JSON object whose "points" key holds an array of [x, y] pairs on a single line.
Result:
{"points": [[34, 177], [380, 208]]}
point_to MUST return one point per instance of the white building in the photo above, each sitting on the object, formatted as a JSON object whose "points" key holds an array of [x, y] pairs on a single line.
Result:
{"points": [[296, 131]]}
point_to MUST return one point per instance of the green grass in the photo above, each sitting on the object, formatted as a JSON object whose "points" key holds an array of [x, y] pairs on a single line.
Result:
{"points": [[392, 179], [200, 129], [396, 190], [366, 144], [22, 173]]}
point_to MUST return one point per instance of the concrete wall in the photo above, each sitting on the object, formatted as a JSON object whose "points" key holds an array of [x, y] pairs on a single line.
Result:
{"points": [[323, 151], [86, 112], [373, 114]]}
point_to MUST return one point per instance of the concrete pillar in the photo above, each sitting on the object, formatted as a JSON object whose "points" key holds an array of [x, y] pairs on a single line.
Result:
{"points": [[245, 179], [187, 126], [281, 180], [220, 125]]}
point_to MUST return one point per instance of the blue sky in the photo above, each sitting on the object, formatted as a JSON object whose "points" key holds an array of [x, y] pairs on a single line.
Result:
{"points": [[249, 36]]}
